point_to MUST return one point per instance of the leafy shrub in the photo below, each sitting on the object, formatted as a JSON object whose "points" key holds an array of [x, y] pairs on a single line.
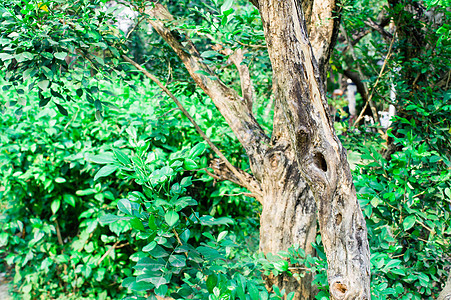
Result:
{"points": [[51, 203], [406, 203]]}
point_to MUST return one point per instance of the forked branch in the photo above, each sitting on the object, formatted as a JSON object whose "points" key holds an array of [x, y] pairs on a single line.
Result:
{"points": [[233, 108]]}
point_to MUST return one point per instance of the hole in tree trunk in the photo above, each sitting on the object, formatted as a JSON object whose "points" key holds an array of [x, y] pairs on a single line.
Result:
{"points": [[320, 162], [339, 289], [339, 218]]}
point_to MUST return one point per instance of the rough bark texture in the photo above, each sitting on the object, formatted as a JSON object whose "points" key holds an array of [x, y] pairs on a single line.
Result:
{"points": [[446, 292], [289, 211], [288, 215], [319, 153], [322, 19]]}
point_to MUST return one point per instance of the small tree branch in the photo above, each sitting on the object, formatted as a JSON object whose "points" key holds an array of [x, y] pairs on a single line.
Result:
{"points": [[247, 89], [379, 28], [233, 108], [369, 100], [107, 252], [361, 34], [357, 80], [377, 81], [244, 179]]}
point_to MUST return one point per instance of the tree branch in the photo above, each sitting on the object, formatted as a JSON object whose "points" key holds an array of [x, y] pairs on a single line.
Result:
{"points": [[247, 89], [369, 100], [374, 26], [379, 28], [232, 107], [377, 81], [244, 179]]}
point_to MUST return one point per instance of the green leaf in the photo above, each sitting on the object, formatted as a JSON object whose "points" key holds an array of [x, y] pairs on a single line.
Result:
{"points": [[171, 218], [124, 206], [61, 109], [189, 164], [103, 158], [149, 247], [69, 199], [161, 290], [222, 235], [60, 180], [110, 218], [186, 181], [253, 291], [158, 281], [448, 192], [226, 5], [60, 55], [197, 150], [141, 286], [408, 222], [212, 280], [177, 261], [137, 224], [44, 101], [6, 56], [105, 171], [121, 156], [43, 84], [202, 72], [209, 53], [24, 56], [55, 206]]}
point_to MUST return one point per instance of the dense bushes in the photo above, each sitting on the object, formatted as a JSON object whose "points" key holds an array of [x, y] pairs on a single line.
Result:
{"points": [[406, 203], [64, 177], [51, 203]]}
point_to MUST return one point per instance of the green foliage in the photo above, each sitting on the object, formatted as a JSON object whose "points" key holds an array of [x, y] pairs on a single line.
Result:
{"points": [[51, 183], [406, 201], [50, 205], [40, 41]]}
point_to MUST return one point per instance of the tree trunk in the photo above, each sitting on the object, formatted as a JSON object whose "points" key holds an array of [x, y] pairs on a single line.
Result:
{"points": [[303, 147], [320, 155], [288, 217], [446, 292]]}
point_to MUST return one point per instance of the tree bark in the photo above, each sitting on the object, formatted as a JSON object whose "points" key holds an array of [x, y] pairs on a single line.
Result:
{"points": [[446, 292], [288, 217], [289, 210], [301, 146], [321, 157]]}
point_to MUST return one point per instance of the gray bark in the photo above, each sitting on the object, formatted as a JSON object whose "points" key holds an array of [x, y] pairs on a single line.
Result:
{"points": [[303, 148], [321, 157], [446, 292]]}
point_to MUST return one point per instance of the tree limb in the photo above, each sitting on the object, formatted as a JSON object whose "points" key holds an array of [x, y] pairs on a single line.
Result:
{"points": [[375, 84], [232, 107], [247, 89], [369, 100], [244, 179]]}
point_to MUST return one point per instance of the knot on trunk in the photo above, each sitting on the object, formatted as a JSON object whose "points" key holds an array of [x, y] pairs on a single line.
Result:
{"points": [[338, 290]]}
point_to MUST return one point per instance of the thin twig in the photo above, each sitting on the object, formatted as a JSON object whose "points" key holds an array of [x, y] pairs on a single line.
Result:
{"points": [[240, 194], [177, 236], [359, 69], [134, 27], [58, 233], [107, 252], [377, 80]]}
